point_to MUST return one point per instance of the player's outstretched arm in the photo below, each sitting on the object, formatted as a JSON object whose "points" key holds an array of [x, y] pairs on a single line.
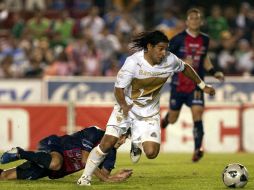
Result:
{"points": [[104, 175], [191, 74], [209, 67]]}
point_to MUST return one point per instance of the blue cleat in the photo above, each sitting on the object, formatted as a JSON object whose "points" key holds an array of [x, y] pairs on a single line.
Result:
{"points": [[10, 156]]}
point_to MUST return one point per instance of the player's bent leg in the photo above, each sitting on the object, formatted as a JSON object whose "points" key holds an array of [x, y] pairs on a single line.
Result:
{"points": [[173, 116], [151, 149], [165, 121], [56, 161], [30, 171], [170, 118], [95, 158], [198, 132]]}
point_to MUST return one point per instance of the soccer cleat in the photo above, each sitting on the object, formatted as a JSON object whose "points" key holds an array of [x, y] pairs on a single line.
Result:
{"points": [[84, 181], [164, 121], [135, 153], [10, 156], [198, 154]]}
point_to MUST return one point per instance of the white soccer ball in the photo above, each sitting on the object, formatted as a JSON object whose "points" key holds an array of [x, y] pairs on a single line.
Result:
{"points": [[235, 175]]}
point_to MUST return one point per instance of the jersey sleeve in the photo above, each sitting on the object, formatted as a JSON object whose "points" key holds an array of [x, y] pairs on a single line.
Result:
{"points": [[125, 74], [90, 137], [177, 64]]}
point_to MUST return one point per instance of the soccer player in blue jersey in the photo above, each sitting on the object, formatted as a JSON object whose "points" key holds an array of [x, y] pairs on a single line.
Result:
{"points": [[58, 156], [191, 46]]}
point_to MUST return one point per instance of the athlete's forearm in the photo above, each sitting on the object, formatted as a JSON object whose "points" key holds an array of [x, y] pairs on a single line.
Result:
{"points": [[191, 74], [120, 97], [101, 175]]}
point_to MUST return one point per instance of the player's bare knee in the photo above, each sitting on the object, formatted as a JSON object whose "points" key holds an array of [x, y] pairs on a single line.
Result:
{"points": [[55, 165], [107, 143], [151, 154], [56, 162], [172, 120]]}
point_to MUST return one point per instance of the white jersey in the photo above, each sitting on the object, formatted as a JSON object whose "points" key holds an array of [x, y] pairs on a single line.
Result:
{"points": [[143, 82]]}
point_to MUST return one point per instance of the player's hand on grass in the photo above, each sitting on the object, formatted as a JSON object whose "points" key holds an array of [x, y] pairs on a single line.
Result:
{"points": [[122, 175], [209, 90]]}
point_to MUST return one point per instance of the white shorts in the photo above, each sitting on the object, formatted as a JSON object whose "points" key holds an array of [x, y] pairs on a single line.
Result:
{"points": [[142, 129]]}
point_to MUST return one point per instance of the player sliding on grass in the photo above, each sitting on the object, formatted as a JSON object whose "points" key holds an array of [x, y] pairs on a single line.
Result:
{"points": [[58, 156], [137, 91]]}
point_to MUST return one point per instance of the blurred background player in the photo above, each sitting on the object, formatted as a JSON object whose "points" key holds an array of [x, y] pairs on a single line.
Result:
{"points": [[190, 45], [58, 156], [137, 91]]}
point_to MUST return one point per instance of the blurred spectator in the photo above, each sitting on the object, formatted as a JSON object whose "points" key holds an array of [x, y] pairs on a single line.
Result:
{"points": [[82, 5], [169, 20], [216, 24], [62, 66], [57, 5], [47, 54], [244, 24], [123, 5], [108, 44], [36, 65], [31, 5], [111, 19], [93, 22], [244, 56], [91, 61], [226, 58], [230, 14], [14, 5], [113, 68], [63, 26], [4, 13], [127, 25], [38, 25], [19, 25], [6, 70], [170, 32]]}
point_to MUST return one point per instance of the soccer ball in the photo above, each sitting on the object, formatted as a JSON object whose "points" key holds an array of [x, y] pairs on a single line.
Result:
{"points": [[235, 175]]}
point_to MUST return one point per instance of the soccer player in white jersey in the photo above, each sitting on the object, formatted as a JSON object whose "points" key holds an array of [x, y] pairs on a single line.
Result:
{"points": [[137, 93]]}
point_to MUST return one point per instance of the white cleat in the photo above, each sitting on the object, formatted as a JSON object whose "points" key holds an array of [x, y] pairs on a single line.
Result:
{"points": [[135, 153], [84, 181]]}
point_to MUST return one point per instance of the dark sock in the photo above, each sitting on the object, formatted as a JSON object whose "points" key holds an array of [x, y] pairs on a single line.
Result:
{"points": [[198, 133], [43, 159], [165, 122]]}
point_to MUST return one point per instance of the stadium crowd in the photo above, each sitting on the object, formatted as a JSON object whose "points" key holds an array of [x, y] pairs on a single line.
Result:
{"points": [[41, 38]]}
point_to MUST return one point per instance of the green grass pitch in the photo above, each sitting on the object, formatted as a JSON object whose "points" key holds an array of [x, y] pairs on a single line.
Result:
{"points": [[167, 171]]}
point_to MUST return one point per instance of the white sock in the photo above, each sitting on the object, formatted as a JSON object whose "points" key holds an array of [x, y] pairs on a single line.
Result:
{"points": [[94, 159]]}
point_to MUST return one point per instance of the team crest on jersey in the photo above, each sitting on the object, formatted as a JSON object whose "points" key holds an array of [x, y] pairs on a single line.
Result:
{"points": [[154, 135], [119, 119]]}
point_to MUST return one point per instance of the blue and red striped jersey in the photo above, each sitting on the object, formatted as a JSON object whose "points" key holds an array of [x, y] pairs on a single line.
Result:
{"points": [[184, 45]]}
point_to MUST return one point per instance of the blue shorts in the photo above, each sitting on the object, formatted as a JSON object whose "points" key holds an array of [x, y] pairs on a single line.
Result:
{"points": [[177, 99], [31, 171]]}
